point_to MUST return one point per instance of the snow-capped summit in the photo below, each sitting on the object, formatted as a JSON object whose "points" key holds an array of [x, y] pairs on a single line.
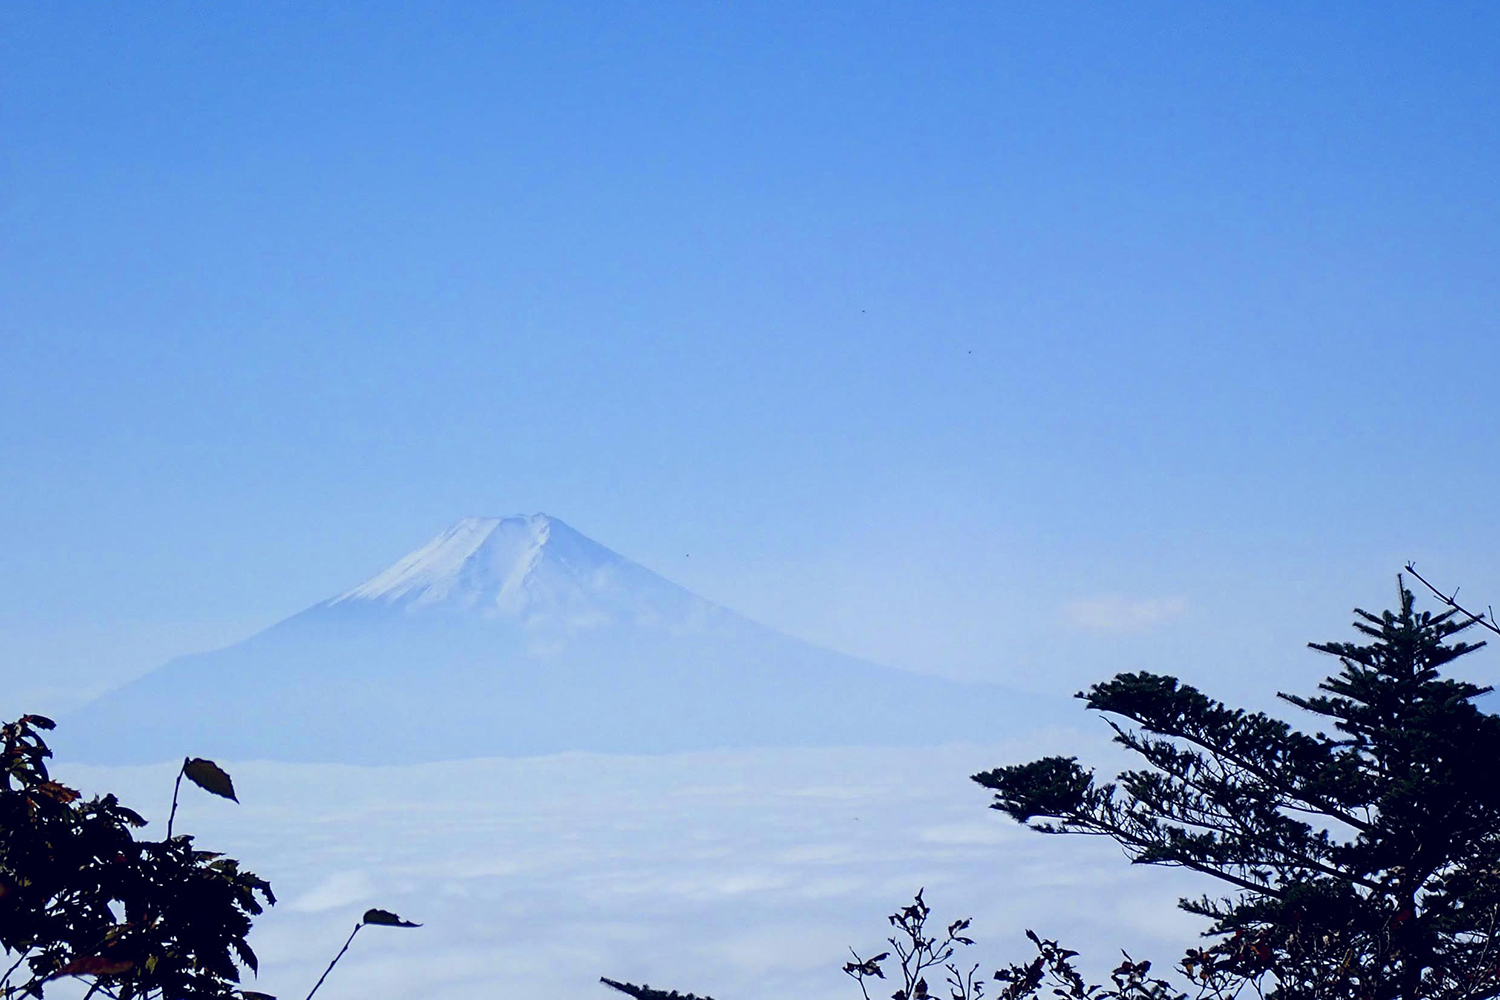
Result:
{"points": [[532, 567], [518, 635]]}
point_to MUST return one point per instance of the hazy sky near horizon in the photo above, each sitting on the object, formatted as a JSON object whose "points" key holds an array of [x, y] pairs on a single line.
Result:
{"points": [[977, 338]]}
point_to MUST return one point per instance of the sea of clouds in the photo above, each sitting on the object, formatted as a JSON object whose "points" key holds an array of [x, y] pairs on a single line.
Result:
{"points": [[746, 875]]}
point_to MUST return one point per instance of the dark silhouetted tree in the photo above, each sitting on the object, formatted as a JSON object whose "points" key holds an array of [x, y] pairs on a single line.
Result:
{"points": [[647, 993], [1362, 863], [82, 898]]}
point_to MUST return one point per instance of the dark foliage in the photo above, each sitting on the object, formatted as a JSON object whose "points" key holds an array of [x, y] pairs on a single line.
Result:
{"points": [[81, 897], [1053, 971], [647, 993], [918, 953], [1365, 863]]}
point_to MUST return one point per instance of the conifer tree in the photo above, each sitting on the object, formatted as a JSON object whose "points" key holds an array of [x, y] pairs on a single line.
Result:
{"points": [[1362, 862]]}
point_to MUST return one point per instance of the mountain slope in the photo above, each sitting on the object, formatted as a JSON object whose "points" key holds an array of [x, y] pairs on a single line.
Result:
{"points": [[520, 636], [527, 568]]}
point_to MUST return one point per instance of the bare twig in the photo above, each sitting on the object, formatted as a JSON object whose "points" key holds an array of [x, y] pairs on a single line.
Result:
{"points": [[175, 789], [335, 960], [856, 975], [5, 980], [1485, 620]]}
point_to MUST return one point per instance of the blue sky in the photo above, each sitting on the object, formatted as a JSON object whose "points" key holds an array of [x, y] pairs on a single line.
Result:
{"points": [[975, 338]]}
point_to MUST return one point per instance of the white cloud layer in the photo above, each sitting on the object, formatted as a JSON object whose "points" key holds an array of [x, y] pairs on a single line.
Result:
{"points": [[742, 875]]}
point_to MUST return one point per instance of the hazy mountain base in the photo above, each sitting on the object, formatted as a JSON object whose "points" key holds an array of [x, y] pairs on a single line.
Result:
{"points": [[518, 636], [353, 684], [744, 875]]}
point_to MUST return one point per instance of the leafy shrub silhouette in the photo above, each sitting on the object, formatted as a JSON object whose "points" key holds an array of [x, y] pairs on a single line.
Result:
{"points": [[917, 953], [1052, 972], [81, 897]]}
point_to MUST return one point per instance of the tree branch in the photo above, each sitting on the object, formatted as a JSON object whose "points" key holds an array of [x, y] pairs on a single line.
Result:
{"points": [[1449, 600]]}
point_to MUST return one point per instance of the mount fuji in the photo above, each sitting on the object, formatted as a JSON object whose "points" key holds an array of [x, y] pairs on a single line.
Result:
{"points": [[521, 636]]}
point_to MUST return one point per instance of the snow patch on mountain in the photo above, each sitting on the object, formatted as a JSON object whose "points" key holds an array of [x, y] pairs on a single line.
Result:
{"points": [[534, 568]]}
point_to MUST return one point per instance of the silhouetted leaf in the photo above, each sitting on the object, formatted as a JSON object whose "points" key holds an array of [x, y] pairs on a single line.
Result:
{"points": [[59, 793], [210, 777], [246, 955], [385, 918], [130, 816], [94, 965], [40, 721], [252, 995]]}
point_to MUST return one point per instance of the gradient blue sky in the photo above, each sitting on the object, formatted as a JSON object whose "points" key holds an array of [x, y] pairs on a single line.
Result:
{"points": [[985, 339]]}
